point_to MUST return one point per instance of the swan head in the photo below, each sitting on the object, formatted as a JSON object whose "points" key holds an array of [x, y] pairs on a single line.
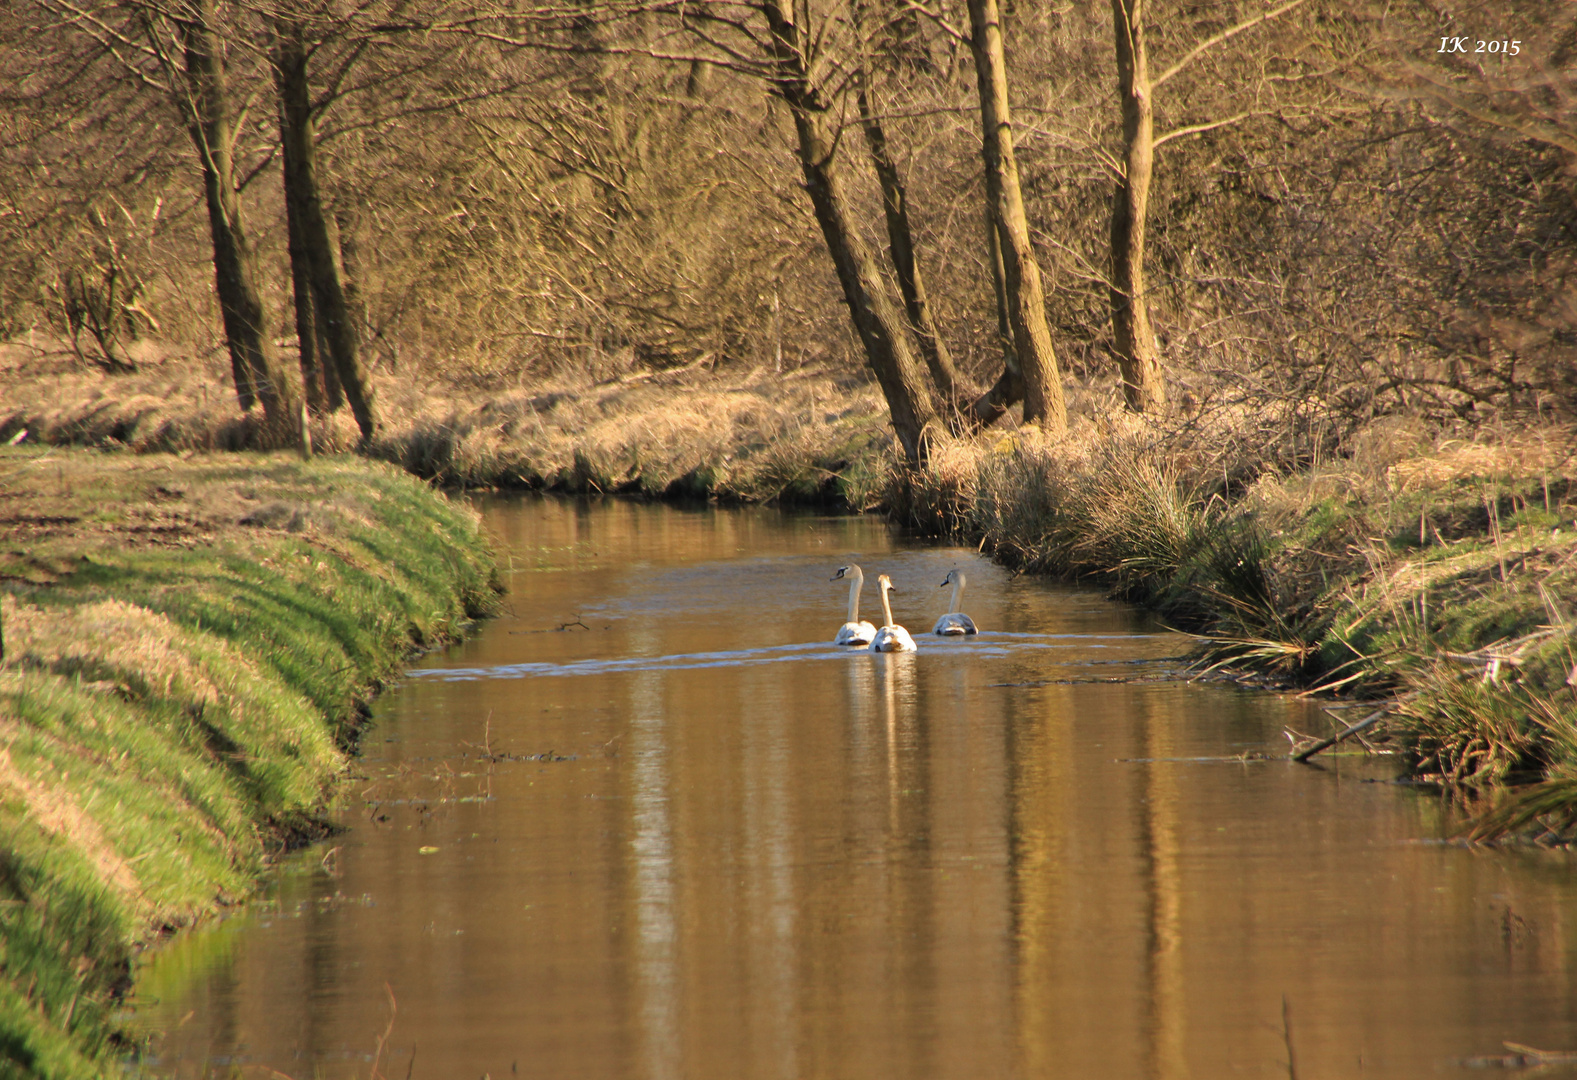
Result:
{"points": [[886, 582], [953, 577], [846, 571]]}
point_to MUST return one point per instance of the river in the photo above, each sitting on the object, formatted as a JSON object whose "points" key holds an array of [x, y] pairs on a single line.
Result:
{"points": [[649, 824]]}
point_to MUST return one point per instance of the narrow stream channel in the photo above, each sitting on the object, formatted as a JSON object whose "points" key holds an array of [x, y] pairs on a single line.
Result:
{"points": [[649, 825]]}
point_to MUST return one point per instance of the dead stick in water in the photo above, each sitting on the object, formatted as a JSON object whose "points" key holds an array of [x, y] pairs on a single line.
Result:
{"points": [[1527, 1055], [1325, 744], [1286, 1035]]}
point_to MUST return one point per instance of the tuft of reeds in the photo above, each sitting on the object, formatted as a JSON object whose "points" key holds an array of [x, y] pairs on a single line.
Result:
{"points": [[1547, 811], [1135, 521], [1465, 730], [1114, 511]]}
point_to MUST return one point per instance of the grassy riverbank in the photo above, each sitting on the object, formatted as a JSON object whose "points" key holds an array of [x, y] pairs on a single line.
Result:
{"points": [[1436, 575], [189, 645]]}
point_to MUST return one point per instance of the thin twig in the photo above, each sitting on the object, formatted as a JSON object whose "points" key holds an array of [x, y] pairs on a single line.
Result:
{"points": [[1286, 1035], [378, 1057]]}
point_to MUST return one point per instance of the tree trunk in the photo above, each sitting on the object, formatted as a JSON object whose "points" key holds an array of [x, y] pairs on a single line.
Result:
{"points": [[876, 320], [313, 358], [1009, 388], [259, 376], [1026, 305], [299, 140], [999, 282], [900, 242], [318, 376], [333, 392], [347, 232], [991, 406], [1132, 337]]}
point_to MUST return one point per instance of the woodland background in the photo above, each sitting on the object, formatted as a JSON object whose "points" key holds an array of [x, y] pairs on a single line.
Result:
{"points": [[1345, 222]]}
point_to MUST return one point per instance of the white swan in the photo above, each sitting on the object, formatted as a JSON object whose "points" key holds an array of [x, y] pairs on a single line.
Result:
{"points": [[891, 637], [853, 632], [955, 621]]}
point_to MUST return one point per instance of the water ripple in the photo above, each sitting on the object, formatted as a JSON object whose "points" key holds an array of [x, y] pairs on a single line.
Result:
{"points": [[994, 644]]}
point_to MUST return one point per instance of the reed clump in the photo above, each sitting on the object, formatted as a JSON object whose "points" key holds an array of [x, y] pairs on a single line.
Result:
{"points": [[188, 649]]}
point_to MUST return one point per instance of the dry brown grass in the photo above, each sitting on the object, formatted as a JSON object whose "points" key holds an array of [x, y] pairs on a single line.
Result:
{"points": [[747, 434], [1051, 505], [758, 434]]}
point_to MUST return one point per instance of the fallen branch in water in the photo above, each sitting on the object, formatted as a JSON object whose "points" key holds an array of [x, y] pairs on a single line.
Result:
{"points": [[1522, 1057], [1325, 744], [563, 627]]}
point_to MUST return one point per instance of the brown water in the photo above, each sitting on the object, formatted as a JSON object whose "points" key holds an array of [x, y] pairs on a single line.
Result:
{"points": [[713, 846]]}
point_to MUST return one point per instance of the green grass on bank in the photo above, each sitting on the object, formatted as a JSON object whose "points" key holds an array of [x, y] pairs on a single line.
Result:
{"points": [[1438, 578], [189, 646]]}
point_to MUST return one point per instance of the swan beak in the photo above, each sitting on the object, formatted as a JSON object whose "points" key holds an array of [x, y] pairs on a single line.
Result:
{"points": [[942, 586]]}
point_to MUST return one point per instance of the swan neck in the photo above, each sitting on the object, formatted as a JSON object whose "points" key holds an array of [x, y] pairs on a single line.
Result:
{"points": [[854, 596], [887, 608], [958, 591]]}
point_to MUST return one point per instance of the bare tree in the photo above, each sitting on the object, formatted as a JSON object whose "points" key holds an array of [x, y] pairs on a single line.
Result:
{"points": [[955, 392], [312, 246], [318, 374], [1132, 337], [259, 375], [1009, 227], [876, 321], [178, 52]]}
